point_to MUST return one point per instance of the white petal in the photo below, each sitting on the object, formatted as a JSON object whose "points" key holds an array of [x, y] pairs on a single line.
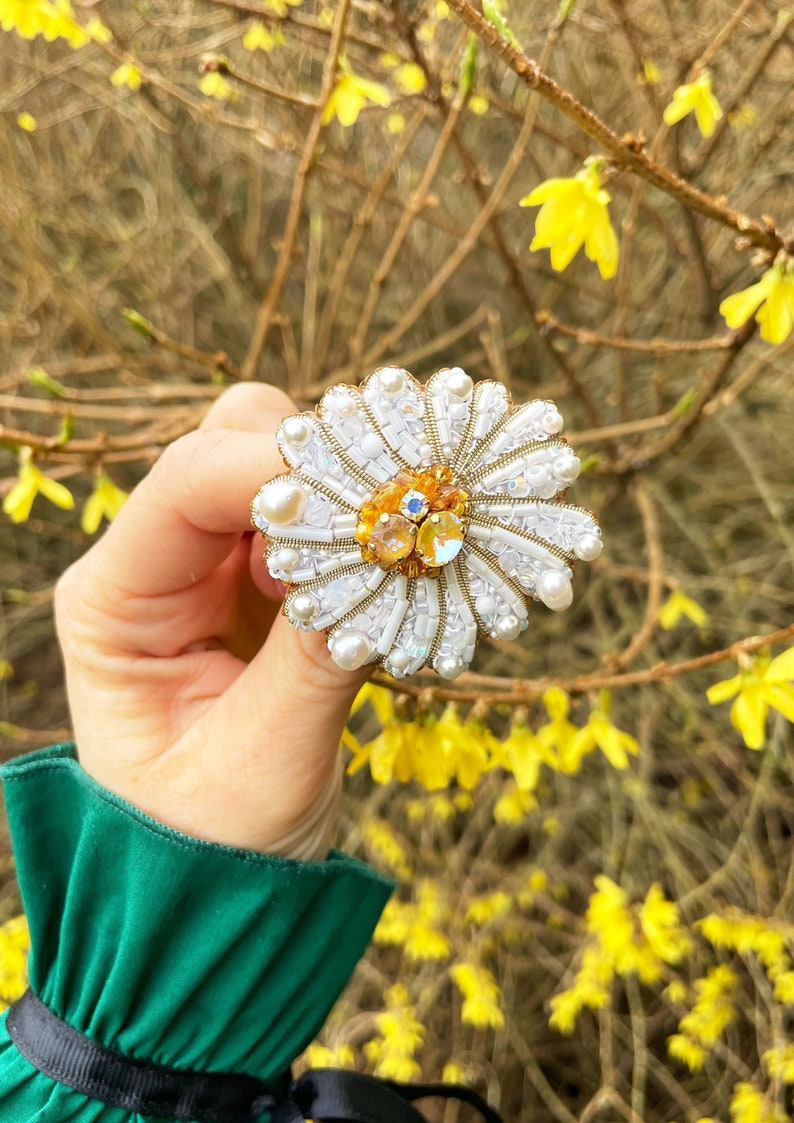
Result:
{"points": [[340, 595], [348, 426], [418, 632], [534, 421], [397, 404], [493, 594], [303, 563], [557, 523], [317, 462], [460, 625], [542, 470], [519, 554], [381, 618], [448, 401], [490, 404]]}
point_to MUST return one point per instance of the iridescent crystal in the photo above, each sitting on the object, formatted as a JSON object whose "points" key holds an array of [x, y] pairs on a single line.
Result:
{"points": [[440, 538], [414, 505], [391, 539]]}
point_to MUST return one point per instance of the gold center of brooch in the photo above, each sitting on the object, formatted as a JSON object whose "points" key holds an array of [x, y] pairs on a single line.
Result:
{"points": [[415, 523]]}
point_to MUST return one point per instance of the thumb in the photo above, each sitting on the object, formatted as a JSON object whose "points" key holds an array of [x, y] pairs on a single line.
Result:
{"points": [[288, 709]]}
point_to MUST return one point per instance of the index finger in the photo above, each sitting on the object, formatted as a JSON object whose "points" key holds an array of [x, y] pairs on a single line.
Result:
{"points": [[187, 515]]}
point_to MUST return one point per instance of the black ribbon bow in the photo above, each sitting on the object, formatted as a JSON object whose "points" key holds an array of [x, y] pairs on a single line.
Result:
{"points": [[64, 1054]]}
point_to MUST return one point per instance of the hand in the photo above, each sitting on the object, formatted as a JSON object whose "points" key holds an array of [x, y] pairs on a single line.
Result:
{"points": [[191, 695]]}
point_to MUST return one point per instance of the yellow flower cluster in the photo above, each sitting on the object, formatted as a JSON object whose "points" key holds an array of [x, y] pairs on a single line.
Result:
{"points": [[53, 19], [415, 924], [481, 995], [768, 940], [438, 751], [640, 939], [105, 501], [385, 845], [400, 1035], [14, 946], [762, 684], [711, 1014], [749, 1105], [324, 1056], [350, 95]]}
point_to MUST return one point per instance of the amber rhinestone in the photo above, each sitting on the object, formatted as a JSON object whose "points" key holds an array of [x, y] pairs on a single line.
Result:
{"points": [[415, 522]]}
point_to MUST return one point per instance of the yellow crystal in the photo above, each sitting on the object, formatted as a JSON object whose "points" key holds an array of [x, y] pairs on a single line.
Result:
{"points": [[440, 538], [392, 539]]}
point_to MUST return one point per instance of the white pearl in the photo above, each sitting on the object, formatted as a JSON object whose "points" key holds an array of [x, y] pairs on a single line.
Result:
{"points": [[399, 659], [508, 627], [282, 502], [304, 607], [566, 467], [458, 383], [448, 666], [371, 445], [296, 431], [485, 604], [283, 561], [425, 451], [392, 381], [340, 405], [350, 649], [552, 421], [554, 589], [588, 546]]}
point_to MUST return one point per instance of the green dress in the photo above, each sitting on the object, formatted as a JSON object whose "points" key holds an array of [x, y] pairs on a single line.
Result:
{"points": [[166, 948]]}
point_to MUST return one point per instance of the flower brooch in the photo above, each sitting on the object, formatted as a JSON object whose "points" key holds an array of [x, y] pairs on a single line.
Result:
{"points": [[414, 518]]}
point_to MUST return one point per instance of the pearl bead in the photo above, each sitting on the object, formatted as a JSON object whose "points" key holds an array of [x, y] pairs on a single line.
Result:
{"points": [[296, 431], [399, 659], [485, 604], [350, 649], [304, 607], [566, 467], [283, 561], [508, 627], [554, 589], [282, 502], [552, 421], [458, 383], [588, 546], [448, 666], [371, 445], [340, 405], [392, 381]]}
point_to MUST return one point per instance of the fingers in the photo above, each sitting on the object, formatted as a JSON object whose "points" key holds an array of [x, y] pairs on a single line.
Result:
{"points": [[188, 513]]}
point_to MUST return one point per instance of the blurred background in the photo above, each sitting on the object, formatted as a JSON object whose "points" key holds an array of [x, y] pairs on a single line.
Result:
{"points": [[198, 192]]}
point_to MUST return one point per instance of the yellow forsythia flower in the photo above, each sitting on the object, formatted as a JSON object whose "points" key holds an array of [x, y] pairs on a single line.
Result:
{"points": [[650, 73], [488, 907], [215, 85], [479, 104], [323, 1056], [105, 501], [744, 116], [259, 37], [98, 31], [54, 19], [385, 845], [558, 733], [601, 733], [676, 606], [19, 501], [574, 213], [763, 686], [395, 123], [127, 75], [481, 995], [27, 122], [401, 1034], [684, 1049], [350, 94], [14, 946], [749, 1105], [779, 1063], [513, 806], [771, 299], [410, 78], [695, 97], [281, 7], [524, 753], [710, 1016]]}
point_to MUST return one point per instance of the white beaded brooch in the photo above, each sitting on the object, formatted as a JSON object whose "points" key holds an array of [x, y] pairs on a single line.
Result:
{"points": [[415, 517]]}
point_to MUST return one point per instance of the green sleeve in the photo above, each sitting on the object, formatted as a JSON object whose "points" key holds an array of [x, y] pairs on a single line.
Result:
{"points": [[166, 948]]}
